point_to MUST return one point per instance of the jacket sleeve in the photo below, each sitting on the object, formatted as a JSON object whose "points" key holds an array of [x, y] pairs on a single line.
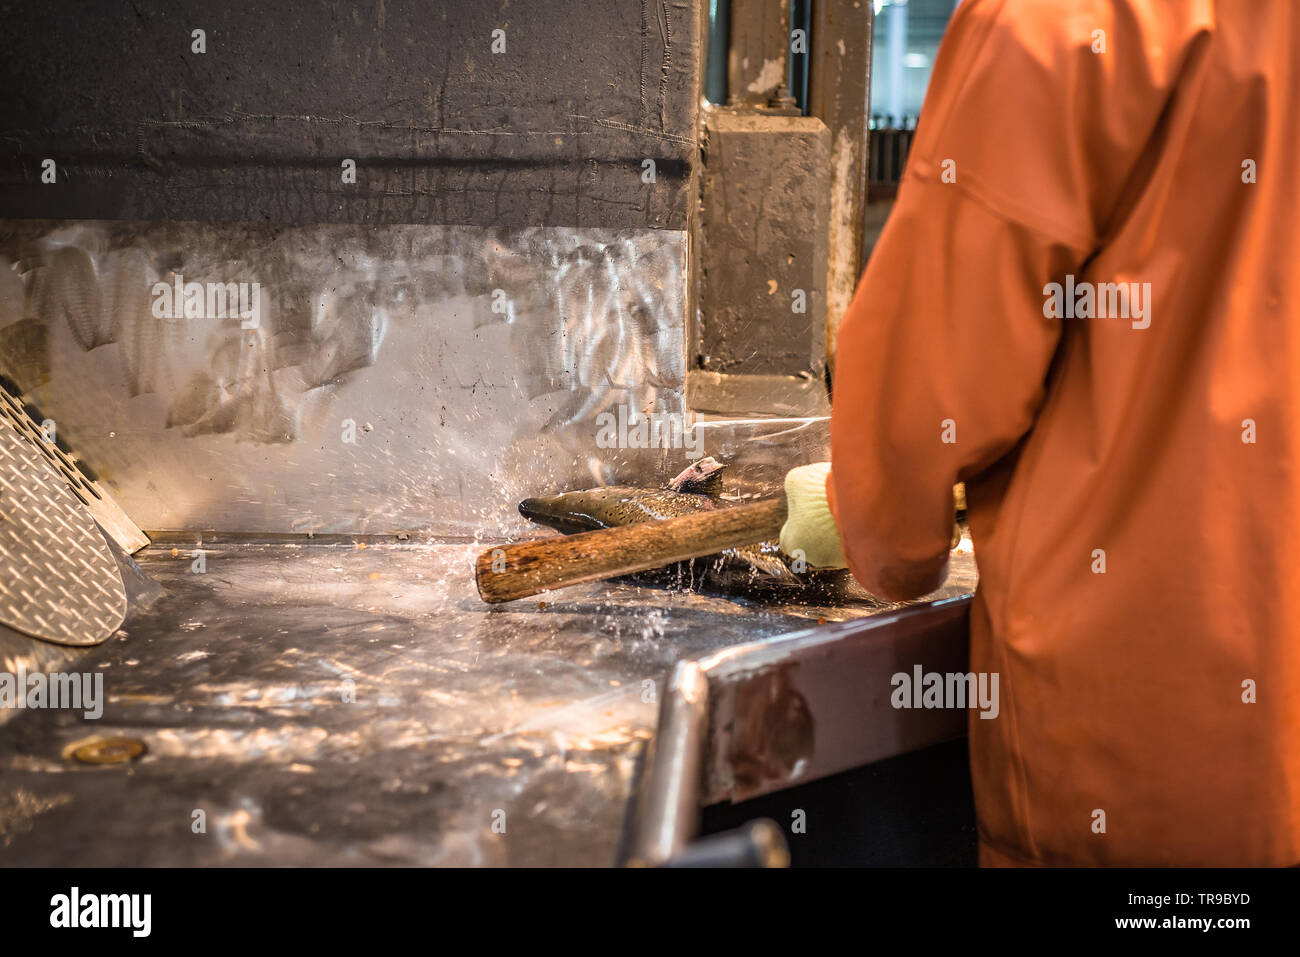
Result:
{"points": [[1029, 142]]}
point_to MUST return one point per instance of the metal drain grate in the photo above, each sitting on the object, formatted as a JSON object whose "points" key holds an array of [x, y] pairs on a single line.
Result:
{"points": [[58, 579], [107, 512]]}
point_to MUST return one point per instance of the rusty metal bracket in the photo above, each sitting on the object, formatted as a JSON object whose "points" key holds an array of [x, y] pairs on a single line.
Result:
{"points": [[773, 714]]}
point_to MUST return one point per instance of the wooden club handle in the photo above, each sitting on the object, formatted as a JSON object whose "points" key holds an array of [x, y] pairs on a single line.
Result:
{"points": [[515, 571]]}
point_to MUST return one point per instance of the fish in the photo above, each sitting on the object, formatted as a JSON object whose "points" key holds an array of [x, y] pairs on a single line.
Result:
{"points": [[697, 488]]}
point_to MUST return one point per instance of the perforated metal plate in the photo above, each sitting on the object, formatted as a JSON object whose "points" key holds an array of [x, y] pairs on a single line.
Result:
{"points": [[58, 580], [105, 511]]}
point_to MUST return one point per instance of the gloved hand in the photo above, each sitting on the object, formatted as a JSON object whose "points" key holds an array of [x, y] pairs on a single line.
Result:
{"points": [[809, 530]]}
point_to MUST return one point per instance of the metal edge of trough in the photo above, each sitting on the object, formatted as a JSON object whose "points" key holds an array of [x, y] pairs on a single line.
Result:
{"points": [[772, 714]]}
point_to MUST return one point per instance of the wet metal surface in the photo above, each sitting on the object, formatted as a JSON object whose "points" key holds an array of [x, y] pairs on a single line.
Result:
{"points": [[333, 704]]}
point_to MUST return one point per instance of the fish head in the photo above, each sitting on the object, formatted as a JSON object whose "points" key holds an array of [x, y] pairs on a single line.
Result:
{"points": [[701, 478], [581, 511]]}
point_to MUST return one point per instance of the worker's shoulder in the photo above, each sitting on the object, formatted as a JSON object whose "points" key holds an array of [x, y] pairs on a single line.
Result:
{"points": [[1082, 24]]}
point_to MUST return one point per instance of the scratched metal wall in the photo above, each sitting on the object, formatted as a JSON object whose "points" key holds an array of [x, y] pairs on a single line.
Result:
{"points": [[515, 177], [380, 391]]}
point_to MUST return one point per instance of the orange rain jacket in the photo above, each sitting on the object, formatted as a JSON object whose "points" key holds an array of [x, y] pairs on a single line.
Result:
{"points": [[1133, 481]]}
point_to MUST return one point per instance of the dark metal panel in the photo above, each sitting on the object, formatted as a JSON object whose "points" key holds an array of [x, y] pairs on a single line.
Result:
{"points": [[788, 396], [766, 198], [760, 44], [840, 93], [817, 702], [719, 32], [784, 711], [553, 131]]}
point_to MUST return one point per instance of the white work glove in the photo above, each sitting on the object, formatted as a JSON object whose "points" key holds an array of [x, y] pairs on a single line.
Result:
{"points": [[809, 531]]}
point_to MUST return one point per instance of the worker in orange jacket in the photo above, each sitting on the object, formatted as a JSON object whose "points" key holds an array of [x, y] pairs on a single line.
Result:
{"points": [[1086, 305]]}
